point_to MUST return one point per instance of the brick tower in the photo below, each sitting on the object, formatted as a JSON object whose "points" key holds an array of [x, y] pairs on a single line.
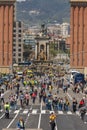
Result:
{"points": [[78, 34], [6, 34]]}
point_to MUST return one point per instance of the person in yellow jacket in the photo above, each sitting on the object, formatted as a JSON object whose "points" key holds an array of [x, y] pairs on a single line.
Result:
{"points": [[52, 118], [7, 108]]}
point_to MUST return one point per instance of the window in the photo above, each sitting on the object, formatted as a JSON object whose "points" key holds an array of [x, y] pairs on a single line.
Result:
{"points": [[19, 40], [14, 24], [14, 49], [14, 45], [14, 30], [19, 24], [19, 49], [14, 35], [19, 45], [19, 35], [20, 31], [19, 59], [14, 54], [19, 54], [14, 40]]}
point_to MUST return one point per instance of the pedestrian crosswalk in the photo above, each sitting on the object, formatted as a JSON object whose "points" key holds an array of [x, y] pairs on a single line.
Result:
{"points": [[38, 111]]}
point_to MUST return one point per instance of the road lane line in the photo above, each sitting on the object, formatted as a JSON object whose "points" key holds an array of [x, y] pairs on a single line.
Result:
{"points": [[2, 116], [69, 96], [27, 119], [40, 117], [13, 120]]}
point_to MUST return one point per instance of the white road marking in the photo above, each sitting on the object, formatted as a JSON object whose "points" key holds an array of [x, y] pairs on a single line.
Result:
{"points": [[15, 112], [40, 117], [13, 120], [51, 111], [34, 111], [2, 116], [60, 112], [69, 113], [27, 119], [25, 111], [43, 111]]}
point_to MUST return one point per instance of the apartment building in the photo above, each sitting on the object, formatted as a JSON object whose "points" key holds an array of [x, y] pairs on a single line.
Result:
{"points": [[18, 42]]}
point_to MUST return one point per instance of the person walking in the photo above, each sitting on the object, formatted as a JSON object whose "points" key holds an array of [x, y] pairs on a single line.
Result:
{"points": [[7, 108], [52, 118], [83, 111], [74, 105], [20, 124], [27, 98]]}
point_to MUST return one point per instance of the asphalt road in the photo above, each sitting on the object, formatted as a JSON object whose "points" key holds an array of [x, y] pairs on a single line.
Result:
{"points": [[36, 116]]}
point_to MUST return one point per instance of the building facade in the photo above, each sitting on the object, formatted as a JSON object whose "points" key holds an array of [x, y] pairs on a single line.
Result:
{"points": [[18, 42], [65, 29], [78, 41], [7, 9]]}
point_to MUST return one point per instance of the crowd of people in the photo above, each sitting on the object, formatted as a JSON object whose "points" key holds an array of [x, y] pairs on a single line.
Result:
{"points": [[41, 88]]}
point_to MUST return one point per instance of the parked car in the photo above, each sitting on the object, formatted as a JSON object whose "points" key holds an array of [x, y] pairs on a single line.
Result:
{"points": [[1, 81]]}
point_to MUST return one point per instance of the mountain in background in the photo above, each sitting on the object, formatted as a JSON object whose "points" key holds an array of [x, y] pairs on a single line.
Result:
{"points": [[39, 11]]}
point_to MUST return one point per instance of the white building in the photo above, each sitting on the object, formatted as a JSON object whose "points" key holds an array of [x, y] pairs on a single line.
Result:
{"points": [[65, 29]]}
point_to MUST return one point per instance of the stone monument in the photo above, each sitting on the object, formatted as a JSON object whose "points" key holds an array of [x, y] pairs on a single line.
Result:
{"points": [[42, 45]]}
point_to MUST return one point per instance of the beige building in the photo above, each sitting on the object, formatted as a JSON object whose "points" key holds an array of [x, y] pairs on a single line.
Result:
{"points": [[18, 42]]}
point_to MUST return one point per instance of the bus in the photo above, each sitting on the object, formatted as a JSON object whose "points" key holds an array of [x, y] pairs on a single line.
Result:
{"points": [[79, 78], [24, 63]]}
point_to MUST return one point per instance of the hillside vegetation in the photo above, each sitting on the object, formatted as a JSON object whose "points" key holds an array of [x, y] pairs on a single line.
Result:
{"points": [[38, 11]]}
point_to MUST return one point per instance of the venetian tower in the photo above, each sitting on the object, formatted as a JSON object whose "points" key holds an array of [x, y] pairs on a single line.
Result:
{"points": [[7, 9], [78, 51]]}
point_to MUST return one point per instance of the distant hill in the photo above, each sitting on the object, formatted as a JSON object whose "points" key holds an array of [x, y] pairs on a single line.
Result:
{"points": [[38, 11]]}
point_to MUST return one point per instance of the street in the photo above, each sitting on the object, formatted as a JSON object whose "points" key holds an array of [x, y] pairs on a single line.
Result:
{"points": [[36, 115]]}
